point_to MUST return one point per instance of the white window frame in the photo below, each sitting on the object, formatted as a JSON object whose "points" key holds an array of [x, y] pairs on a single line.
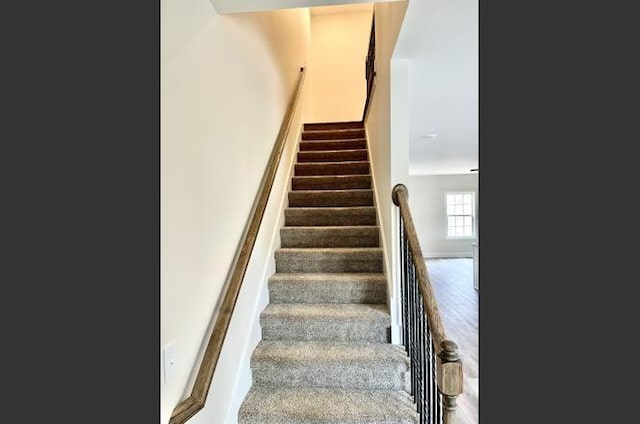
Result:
{"points": [[473, 215]]}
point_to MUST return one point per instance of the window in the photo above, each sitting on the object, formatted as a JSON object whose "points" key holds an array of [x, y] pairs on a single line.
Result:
{"points": [[460, 214]]}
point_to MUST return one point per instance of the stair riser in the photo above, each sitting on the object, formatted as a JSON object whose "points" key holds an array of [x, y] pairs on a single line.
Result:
{"points": [[333, 199], [329, 266], [333, 134], [319, 217], [333, 156], [357, 168], [333, 145], [317, 126], [337, 375], [329, 237], [281, 328], [331, 182]]}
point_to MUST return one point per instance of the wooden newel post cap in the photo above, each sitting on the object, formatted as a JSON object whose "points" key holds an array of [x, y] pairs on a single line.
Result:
{"points": [[394, 194], [449, 351]]}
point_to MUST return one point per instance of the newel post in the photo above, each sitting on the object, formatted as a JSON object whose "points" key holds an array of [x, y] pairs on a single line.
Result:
{"points": [[449, 374]]}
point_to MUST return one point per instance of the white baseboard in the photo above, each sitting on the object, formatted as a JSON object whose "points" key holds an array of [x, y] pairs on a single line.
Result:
{"points": [[433, 255]]}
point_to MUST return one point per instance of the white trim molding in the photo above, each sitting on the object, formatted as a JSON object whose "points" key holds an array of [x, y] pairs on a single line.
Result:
{"points": [[433, 255]]}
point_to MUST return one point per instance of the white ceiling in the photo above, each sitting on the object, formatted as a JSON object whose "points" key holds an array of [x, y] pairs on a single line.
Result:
{"points": [[439, 39]]}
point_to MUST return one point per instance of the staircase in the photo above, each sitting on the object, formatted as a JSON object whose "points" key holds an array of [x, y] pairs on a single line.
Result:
{"points": [[325, 355]]}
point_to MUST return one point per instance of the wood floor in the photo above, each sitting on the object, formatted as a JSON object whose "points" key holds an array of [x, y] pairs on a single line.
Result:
{"points": [[452, 281]]}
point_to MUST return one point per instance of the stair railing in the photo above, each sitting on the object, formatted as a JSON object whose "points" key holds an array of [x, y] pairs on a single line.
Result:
{"points": [[370, 67], [436, 369], [229, 295]]}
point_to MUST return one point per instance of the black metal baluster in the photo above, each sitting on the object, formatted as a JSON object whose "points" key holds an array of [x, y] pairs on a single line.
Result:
{"points": [[405, 271], [428, 369], [432, 383], [439, 407], [410, 315], [417, 345], [419, 357], [427, 376], [437, 398], [425, 405], [425, 330], [416, 351], [408, 290], [412, 336]]}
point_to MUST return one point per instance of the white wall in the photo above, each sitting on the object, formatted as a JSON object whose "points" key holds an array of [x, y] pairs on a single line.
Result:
{"points": [[225, 85], [244, 330], [339, 44], [429, 212], [389, 17], [440, 39]]}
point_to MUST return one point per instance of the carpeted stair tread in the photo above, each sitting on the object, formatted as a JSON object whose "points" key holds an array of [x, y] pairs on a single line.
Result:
{"points": [[343, 144], [368, 288], [323, 216], [334, 198], [331, 168], [331, 182], [330, 236], [325, 321], [329, 259], [312, 405], [330, 364], [333, 156]]}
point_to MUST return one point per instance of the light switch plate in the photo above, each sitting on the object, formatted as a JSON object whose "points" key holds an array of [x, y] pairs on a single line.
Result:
{"points": [[169, 359]]}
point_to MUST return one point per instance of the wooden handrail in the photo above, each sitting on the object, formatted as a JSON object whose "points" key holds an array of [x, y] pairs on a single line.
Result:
{"points": [[367, 103], [370, 67], [229, 295], [400, 198], [448, 364]]}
